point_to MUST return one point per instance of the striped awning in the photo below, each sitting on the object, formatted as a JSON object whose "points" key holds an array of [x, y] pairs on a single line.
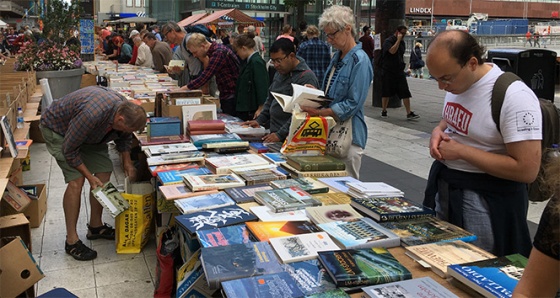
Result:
{"points": [[229, 15], [191, 19]]}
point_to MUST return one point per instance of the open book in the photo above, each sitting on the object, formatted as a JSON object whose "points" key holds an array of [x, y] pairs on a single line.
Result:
{"points": [[303, 96], [178, 63]]}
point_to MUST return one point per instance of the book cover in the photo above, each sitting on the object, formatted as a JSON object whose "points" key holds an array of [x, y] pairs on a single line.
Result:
{"points": [[223, 164], [172, 158], [417, 287], [310, 185], [236, 234], [310, 276], [221, 145], [330, 213], [302, 247], [16, 197], [276, 285], [258, 147], [207, 182], [362, 233], [178, 167], [223, 263], [188, 273], [264, 213], [259, 176], [200, 140], [9, 136], [363, 267], [143, 140], [303, 96], [427, 230], [374, 188], [439, 255], [111, 199], [332, 198], [205, 132], [203, 202], [244, 194], [242, 149], [495, 277], [338, 183], [276, 158], [168, 148], [180, 191], [176, 176], [177, 63], [183, 101], [334, 293], [390, 208], [236, 127], [214, 218], [316, 163], [199, 112], [263, 231], [286, 199], [195, 125]]}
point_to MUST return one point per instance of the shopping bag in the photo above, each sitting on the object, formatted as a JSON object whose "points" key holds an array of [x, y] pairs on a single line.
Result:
{"points": [[340, 139], [307, 135]]}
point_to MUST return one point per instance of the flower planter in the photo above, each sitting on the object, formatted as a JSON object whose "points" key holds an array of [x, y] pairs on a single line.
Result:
{"points": [[62, 82]]}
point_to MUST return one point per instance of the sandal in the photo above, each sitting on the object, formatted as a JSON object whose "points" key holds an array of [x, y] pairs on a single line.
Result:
{"points": [[105, 231], [79, 251]]}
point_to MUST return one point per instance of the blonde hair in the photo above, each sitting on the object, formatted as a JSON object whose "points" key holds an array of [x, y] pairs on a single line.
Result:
{"points": [[196, 40], [337, 17], [312, 30]]}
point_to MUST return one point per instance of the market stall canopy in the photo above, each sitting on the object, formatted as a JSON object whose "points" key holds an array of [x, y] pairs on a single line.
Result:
{"points": [[191, 19], [137, 20], [230, 15], [3, 24]]}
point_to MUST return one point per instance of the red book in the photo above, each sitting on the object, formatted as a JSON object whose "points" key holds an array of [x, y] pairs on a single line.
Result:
{"points": [[172, 167], [206, 132], [206, 125]]}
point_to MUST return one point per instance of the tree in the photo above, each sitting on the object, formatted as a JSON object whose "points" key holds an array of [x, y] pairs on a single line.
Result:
{"points": [[58, 17], [300, 8]]}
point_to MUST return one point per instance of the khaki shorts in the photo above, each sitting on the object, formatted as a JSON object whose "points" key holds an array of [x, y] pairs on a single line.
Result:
{"points": [[95, 157]]}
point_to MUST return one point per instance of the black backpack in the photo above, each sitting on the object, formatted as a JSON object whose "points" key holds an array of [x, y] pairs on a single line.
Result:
{"points": [[538, 191]]}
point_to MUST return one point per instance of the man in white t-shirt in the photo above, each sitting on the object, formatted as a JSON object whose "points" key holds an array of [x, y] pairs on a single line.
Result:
{"points": [[479, 176]]}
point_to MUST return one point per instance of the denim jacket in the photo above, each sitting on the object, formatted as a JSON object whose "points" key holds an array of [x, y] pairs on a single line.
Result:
{"points": [[350, 89]]}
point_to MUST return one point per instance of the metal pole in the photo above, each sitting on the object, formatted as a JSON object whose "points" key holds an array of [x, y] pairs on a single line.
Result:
{"points": [[432, 17]]}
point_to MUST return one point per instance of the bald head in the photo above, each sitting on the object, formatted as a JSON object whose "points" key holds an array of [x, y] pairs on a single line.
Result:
{"points": [[460, 45]]}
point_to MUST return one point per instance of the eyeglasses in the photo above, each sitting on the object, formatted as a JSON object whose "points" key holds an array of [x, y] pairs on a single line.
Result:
{"points": [[452, 78], [278, 60], [165, 34], [332, 35]]}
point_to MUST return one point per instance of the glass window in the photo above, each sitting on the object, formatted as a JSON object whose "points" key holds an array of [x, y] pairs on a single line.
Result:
{"points": [[129, 3], [138, 3]]}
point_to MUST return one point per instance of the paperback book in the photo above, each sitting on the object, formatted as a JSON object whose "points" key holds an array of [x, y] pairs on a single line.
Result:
{"points": [[263, 231], [330, 213], [303, 96], [302, 247], [203, 202], [259, 176], [207, 182], [276, 158], [199, 140], [315, 163], [180, 191], [315, 174], [168, 148], [213, 218], [188, 273], [223, 263], [264, 213], [279, 284], [8, 136], [236, 234], [390, 208], [310, 276], [373, 189], [111, 199], [495, 277], [258, 147], [417, 287], [244, 129], [332, 198], [439, 255], [362, 233], [310, 185], [176, 176], [363, 267], [223, 164], [173, 167], [244, 194], [338, 183], [172, 158], [286, 199], [427, 230]]}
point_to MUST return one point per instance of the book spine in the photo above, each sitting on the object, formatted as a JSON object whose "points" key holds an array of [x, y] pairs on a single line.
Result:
{"points": [[224, 144], [398, 217], [205, 132], [232, 149], [321, 174], [206, 126]]}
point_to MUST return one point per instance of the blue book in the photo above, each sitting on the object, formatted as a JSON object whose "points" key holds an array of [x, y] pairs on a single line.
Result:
{"points": [[173, 177], [203, 202], [199, 140], [495, 277], [214, 218], [310, 276], [258, 147], [270, 285], [236, 234], [223, 263], [275, 157]]}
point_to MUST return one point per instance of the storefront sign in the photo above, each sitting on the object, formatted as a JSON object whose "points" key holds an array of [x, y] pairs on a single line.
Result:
{"points": [[244, 6], [422, 10]]}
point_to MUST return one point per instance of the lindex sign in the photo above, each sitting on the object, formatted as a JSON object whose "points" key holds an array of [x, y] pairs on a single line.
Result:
{"points": [[422, 10]]}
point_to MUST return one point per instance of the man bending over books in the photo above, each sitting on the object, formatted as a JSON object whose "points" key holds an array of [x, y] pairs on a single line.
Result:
{"points": [[76, 129], [290, 69]]}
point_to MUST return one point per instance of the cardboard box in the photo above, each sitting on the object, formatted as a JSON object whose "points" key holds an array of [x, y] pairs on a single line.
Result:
{"points": [[35, 133], [35, 212], [18, 269], [14, 200], [16, 225]]}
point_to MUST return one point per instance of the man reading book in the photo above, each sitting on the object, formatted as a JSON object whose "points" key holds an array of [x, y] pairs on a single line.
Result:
{"points": [[76, 129]]}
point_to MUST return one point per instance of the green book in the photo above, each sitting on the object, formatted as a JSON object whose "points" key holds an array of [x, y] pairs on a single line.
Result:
{"points": [[286, 199], [316, 163], [310, 185]]}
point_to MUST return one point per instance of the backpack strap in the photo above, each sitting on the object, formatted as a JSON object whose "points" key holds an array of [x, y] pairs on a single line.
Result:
{"points": [[499, 93]]}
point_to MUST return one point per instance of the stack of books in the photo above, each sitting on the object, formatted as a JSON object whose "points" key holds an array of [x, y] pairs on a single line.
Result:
{"points": [[224, 164], [205, 127], [372, 190]]}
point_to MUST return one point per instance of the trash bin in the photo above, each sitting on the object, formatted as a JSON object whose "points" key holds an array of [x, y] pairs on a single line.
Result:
{"points": [[536, 67]]}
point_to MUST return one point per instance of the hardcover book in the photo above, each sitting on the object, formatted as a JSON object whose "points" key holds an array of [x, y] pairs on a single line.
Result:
{"points": [[302, 247], [168, 148], [330, 213], [417, 287], [276, 158], [111, 199], [427, 230], [373, 189], [338, 183], [263, 231], [302, 95], [199, 112], [439, 255], [362, 233], [363, 267], [223, 164], [204, 125], [221, 145], [310, 276], [180, 191], [279, 284], [390, 208], [332, 198], [244, 194], [258, 176], [172, 158], [310, 185], [334, 293], [495, 277], [258, 147], [213, 218], [286, 199], [236, 234], [207, 182], [264, 213], [204, 132], [176, 177], [8, 136], [143, 140], [223, 263], [200, 140], [203, 202], [315, 174], [316, 163]]}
